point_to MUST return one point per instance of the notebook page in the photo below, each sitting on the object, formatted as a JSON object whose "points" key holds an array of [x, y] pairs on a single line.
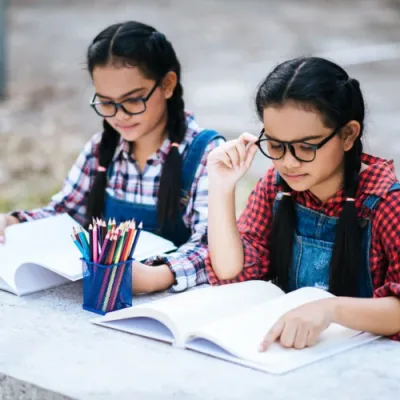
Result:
{"points": [[6, 287], [45, 242], [150, 245], [242, 333], [8, 267], [192, 309]]}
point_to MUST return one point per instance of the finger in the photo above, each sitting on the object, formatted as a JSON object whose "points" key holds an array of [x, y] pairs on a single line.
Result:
{"points": [[219, 155], [312, 337], [225, 159], [248, 138], [234, 157], [251, 153], [273, 335], [241, 150], [300, 340], [288, 334]]}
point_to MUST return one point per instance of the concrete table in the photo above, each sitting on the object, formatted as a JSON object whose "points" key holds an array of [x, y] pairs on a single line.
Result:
{"points": [[49, 350]]}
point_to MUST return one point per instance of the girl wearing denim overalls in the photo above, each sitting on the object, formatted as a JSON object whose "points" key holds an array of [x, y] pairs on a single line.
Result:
{"points": [[326, 215], [149, 163]]}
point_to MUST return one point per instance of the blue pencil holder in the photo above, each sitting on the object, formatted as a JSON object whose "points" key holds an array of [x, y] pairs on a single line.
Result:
{"points": [[106, 288]]}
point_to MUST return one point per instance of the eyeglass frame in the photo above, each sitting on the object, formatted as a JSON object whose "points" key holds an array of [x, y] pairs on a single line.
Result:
{"points": [[289, 145], [119, 105]]}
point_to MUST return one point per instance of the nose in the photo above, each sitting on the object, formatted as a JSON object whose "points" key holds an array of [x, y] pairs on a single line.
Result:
{"points": [[121, 115], [289, 161]]}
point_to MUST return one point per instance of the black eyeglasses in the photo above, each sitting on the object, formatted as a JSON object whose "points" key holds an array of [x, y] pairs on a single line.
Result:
{"points": [[300, 150], [134, 106]]}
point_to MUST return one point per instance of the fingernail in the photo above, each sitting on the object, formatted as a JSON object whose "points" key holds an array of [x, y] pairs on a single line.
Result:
{"points": [[242, 164], [1, 239], [261, 348]]}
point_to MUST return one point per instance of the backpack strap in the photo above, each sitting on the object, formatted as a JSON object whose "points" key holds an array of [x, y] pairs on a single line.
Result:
{"points": [[192, 159], [372, 201]]}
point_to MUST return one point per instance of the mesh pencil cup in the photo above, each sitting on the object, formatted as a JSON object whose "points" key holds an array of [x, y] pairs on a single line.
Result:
{"points": [[106, 288]]}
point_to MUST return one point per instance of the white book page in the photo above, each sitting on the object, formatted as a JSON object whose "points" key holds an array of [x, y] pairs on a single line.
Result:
{"points": [[6, 287], [242, 333], [46, 242], [150, 245], [302, 357], [8, 267], [160, 329], [188, 311], [31, 278]]}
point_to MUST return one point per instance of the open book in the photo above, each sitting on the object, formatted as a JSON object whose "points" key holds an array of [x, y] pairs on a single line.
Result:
{"points": [[40, 254], [229, 322]]}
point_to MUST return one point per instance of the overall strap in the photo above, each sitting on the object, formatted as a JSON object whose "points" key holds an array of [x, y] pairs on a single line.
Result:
{"points": [[372, 201], [193, 158]]}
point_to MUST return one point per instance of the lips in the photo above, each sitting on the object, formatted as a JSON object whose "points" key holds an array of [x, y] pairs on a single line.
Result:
{"points": [[126, 127], [294, 176]]}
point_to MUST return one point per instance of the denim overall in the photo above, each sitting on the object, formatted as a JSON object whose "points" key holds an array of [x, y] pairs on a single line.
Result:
{"points": [[313, 247], [123, 210]]}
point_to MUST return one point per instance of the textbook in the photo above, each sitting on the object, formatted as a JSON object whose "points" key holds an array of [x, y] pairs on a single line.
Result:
{"points": [[230, 321], [40, 254]]}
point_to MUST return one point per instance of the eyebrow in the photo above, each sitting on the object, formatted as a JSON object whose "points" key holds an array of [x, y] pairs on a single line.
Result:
{"points": [[123, 95], [304, 139]]}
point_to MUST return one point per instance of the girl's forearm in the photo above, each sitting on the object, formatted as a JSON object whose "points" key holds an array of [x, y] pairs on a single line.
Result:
{"points": [[380, 316], [148, 279], [225, 244]]}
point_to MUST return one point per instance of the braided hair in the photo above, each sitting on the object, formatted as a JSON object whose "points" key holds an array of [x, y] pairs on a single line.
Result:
{"points": [[135, 44], [322, 86]]}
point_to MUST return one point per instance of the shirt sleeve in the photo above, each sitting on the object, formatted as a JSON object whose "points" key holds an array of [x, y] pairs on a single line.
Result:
{"points": [[188, 262], [254, 227], [72, 197], [385, 252]]}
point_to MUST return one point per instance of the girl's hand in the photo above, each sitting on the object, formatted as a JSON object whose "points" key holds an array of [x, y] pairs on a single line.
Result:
{"points": [[301, 327], [6, 220], [229, 162]]}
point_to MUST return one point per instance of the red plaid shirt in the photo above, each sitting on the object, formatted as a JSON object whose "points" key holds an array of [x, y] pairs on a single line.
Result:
{"points": [[255, 222]]}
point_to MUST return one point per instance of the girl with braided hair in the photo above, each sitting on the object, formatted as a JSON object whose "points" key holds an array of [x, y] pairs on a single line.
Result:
{"points": [[325, 215], [149, 162]]}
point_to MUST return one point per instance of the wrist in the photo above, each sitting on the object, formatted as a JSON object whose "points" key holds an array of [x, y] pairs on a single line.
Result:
{"points": [[162, 278], [153, 278], [333, 306], [221, 188]]}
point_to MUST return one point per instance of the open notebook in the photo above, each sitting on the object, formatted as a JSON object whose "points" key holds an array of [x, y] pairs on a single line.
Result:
{"points": [[229, 322], [40, 254]]}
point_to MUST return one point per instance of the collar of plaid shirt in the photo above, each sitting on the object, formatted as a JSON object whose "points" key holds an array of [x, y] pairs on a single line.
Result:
{"points": [[376, 179], [161, 154]]}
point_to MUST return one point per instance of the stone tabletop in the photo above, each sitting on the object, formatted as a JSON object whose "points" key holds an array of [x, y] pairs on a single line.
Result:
{"points": [[50, 350]]}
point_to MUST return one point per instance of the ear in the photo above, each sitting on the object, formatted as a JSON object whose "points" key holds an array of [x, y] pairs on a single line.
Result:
{"points": [[349, 134], [168, 84]]}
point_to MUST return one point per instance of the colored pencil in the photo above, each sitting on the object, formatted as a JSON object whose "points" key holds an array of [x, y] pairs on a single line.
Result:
{"points": [[79, 246], [121, 269], [116, 260], [109, 244], [140, 227], [95, 241]]}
